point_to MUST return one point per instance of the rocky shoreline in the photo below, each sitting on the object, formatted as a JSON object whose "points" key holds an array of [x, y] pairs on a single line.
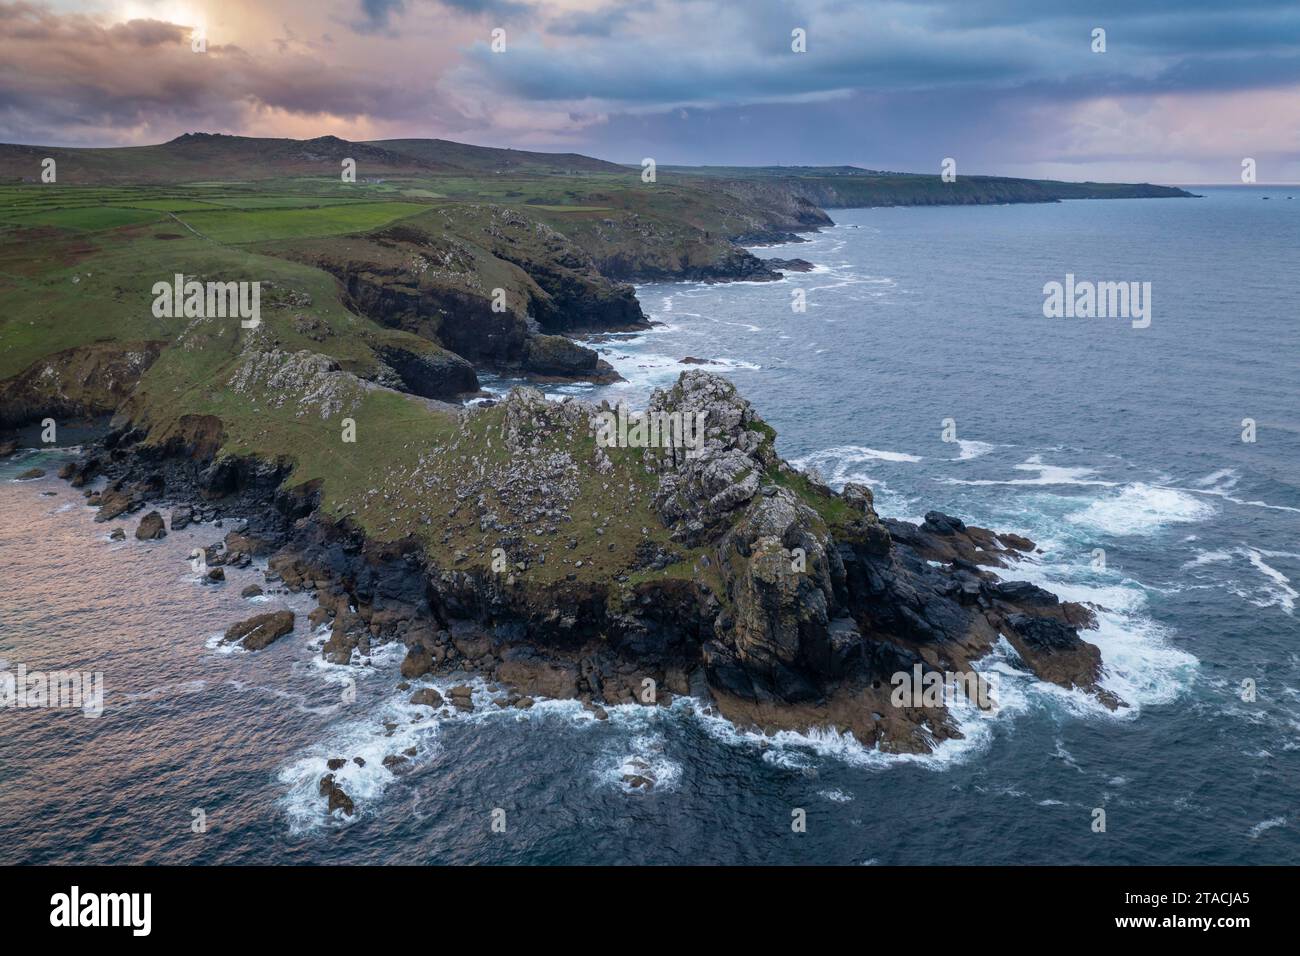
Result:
{"points": [[792, 607]]}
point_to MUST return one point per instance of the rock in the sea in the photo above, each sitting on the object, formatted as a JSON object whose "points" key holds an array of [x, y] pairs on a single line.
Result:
{"points": [[253, 590], [114, 501], [214, 576], [427, 696], [789, 265], [151, 527], [1016, 542], [338, 800], [117, 534], [556, 355], [462, 697], [31, 473], [260, 631]]}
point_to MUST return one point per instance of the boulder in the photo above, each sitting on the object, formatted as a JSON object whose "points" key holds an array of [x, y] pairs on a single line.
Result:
{"points": [[261, 630], [417, 663], [114, 501], [338, 800], [427, 696], [151, 527], [555, 355]]}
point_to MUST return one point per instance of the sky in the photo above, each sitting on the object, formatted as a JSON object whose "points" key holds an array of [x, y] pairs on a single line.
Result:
{"points": [[1183, 92]]}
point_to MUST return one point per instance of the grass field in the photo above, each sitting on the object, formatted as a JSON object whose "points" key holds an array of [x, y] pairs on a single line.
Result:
{"points": [[260, 225], [83, 218]]}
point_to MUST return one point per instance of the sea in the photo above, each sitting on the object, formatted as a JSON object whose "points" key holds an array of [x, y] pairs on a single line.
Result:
{"points": [[1156, 466]]}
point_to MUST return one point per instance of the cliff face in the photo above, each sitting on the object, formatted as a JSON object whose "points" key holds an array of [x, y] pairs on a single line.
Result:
{"points": [[643, 248], [484, 282], [76, 383]]}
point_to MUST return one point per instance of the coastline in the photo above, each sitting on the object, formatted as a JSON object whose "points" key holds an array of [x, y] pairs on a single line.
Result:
{"points": [[712, 643]]}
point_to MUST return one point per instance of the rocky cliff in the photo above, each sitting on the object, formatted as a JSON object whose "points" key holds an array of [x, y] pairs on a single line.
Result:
{"points": [[563, 568]]}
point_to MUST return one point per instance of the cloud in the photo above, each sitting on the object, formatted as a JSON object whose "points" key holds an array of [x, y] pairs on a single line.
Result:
{"points": [[601, 22], [377, 13], [890, 82], [720, 53], [73, 79]]}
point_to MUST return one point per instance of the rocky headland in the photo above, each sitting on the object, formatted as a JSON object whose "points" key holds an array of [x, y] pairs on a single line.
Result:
{"points": [[738, 580]]}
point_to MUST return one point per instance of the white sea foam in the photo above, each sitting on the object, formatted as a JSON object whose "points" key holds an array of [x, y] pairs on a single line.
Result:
{"points": [[393, 726], [1274, 591], [1141, 664], [1140, 508], [1259, 828], [836, 796], [842, 456], [1045, 475], [1222, 484], [215, 643], [970, 448], [645, 758], [791, 749], [1221, 480], [388, 730]]}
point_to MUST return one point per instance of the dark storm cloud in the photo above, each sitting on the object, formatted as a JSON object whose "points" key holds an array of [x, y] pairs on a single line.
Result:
{"points": [[726, 52], [498, 7], [596, 23], [377, 13]]}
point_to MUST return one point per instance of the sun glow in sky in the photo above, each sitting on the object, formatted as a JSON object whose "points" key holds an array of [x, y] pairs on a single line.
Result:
{"points": [[183, 13]]}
